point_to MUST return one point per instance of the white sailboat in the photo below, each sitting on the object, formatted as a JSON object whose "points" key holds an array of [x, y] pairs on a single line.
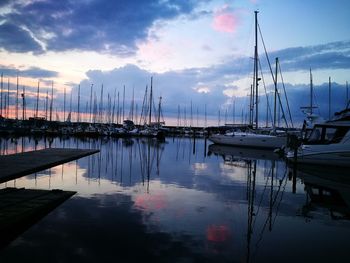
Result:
{"points": [[249, 139], [254, 138]]}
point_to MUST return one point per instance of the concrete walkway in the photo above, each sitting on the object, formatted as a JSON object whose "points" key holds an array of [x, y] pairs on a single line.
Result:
{"points": [[17, 165]]}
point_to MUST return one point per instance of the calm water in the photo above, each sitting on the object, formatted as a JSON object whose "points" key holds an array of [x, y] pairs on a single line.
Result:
{"points": [[181, 201]]}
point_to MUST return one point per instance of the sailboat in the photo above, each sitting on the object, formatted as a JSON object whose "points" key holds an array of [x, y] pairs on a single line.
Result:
{"points": [[253, 138], [153, 129], [311, 118]]}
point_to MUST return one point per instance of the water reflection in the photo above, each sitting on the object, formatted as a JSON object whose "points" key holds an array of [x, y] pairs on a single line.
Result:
{"points": [[188, 201]]}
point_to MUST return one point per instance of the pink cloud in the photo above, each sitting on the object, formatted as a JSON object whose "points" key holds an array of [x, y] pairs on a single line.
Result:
{"points": [[225, 21]]}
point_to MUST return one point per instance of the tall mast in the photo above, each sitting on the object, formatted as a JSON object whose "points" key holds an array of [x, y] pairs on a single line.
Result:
{"points": [[37, 102], [113, 109], [46, 104], [64, 106], [118, 112], [123, 103], [24, 104], [347, 94], [329, 98], [132, 104], [150, 102], [251, 106], [311, 93], [233, 109], [70, 104], [205, 115], [144, 108], [51, 104], [17, 98], [275, 100], [256, 70], [101, 106], [78, 117], [159, 105], [91, 102], [191, 120], [8, 98]]}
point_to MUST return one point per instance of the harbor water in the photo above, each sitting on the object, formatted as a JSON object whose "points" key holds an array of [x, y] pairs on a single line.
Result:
{"points": [[182, 200]]}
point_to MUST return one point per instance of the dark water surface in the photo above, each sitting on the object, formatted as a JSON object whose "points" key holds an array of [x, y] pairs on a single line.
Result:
{"points": [[180, 201]]}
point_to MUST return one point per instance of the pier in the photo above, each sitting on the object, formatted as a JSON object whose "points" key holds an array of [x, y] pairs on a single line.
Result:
{"points": [[21, 208], [16, 165]]}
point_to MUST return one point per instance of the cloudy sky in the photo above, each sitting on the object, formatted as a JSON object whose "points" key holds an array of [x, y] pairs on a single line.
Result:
{"points": [[199, 52]]}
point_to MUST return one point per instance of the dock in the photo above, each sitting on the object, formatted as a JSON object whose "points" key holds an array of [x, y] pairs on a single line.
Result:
{"points": [[17, 165], [21, 208]]}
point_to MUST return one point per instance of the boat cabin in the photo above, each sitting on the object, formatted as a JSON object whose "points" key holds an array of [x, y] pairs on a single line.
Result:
{"points": [[329, 133]]}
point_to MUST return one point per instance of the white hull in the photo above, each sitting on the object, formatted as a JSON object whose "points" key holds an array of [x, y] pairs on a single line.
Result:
{"points": [[328, 158], [335, 155], [250, 140]]}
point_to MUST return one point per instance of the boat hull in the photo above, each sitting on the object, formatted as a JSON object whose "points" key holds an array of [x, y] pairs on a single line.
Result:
{"points": [[250, 140], [341, 158]]}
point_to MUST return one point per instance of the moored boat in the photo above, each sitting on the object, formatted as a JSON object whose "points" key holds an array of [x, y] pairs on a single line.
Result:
{"points": [[328, 144], [249, 139]]}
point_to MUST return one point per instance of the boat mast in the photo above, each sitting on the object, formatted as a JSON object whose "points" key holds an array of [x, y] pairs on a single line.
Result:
{"points": [[70, 105], [275, 101], [329, 98], [311, 92], [8, 98], [17, 98], [64, 106], [132, 104], [159, 105], [123, 110], [78, 117], [113, 110], [37, 102], [46, 104], [150, 102], [24, 104], [205, 115], [118, 110], [347, 94], [91, 103], [51, 104], [100, 114], [256, 70]]}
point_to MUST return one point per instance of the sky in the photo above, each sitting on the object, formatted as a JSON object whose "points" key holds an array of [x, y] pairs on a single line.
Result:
{"points": [[199, 53]]}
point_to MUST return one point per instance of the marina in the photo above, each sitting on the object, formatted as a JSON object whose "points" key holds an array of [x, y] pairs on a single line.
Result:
{"points": [[182, 199], [174, 131]]}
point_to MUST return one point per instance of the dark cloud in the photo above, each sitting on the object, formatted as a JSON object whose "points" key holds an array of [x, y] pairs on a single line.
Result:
{"points": [[335, 55], [16, 39], [36, 72], [33, 72], [110, 26], [4, 3]]}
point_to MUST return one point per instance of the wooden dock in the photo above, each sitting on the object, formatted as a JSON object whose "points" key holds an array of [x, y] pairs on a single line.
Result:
{"points": [[21, 208], [17, 165]]}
